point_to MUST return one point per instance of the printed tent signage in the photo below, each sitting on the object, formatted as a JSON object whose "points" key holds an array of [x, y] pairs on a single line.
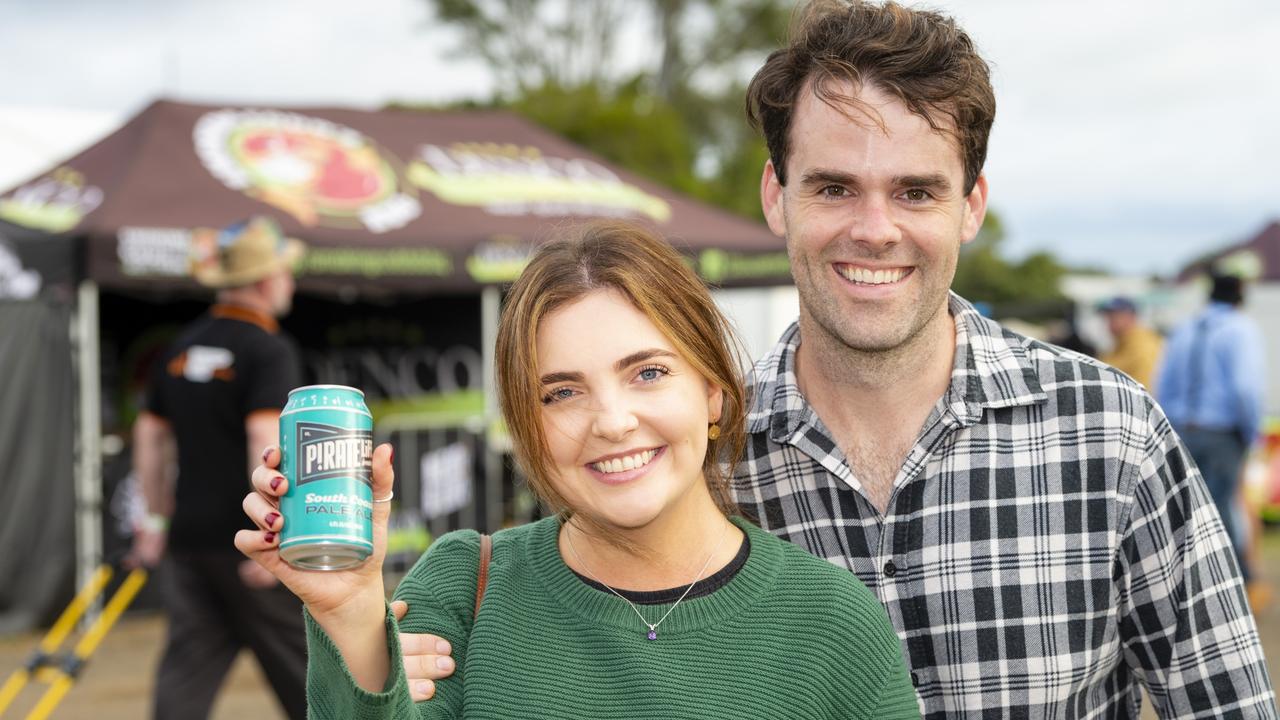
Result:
{"points": [[414, 220], [389, 200]]}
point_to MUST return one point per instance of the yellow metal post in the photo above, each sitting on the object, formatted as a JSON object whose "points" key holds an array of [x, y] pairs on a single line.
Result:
{"points": [[65, 624], [92, 637]]}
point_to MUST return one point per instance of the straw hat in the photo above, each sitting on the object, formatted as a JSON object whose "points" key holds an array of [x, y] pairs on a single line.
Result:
{"points": [[242, 254]]}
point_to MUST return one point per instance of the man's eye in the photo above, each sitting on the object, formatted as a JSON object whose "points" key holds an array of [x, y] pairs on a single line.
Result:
{"points": [[917, 195], [834, 191]]}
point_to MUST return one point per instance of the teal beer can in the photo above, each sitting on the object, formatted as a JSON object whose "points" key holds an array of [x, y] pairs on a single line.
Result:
{"points": [[326, 445]]}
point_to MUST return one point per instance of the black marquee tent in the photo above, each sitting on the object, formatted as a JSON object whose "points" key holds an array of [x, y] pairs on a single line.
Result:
{"points": [[414, 221]]}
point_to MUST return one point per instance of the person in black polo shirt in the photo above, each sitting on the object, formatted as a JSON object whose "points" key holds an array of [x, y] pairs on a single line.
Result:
{"points": [[215, 398]]}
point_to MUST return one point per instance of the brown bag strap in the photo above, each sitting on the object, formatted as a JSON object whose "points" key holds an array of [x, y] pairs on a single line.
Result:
{"points": [[482, 579]]}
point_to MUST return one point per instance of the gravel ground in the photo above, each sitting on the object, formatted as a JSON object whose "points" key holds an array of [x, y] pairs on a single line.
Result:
{"points": [[116, 684]]}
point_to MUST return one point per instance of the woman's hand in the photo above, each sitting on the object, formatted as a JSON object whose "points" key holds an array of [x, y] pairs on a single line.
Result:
{"points": [[349, 604]]}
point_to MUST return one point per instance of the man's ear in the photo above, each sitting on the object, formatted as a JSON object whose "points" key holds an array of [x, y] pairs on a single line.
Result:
{"points": [[975, 210], [771, 200]]}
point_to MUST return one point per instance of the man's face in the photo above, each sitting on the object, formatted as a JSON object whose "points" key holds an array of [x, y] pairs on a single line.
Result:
{"points": [[280, 292], [874, 219], [1119, 322]]}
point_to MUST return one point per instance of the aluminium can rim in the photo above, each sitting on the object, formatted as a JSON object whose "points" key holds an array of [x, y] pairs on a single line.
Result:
{"points": [[327, 387]]}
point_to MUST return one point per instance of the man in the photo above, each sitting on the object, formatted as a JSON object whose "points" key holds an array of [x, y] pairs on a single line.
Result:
{"points": [[1029, 519], [1135, 349], [1031, 523], [1212, 384], [215, 398]]}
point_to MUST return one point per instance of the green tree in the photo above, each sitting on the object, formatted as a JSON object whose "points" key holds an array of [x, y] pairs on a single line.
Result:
{"points": [[1031, 285], [626, 126], [675, 117], [673, 111], [529, 44]]}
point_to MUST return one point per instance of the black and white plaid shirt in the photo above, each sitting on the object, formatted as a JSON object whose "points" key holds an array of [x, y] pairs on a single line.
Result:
{"points": [[1048, 545]]}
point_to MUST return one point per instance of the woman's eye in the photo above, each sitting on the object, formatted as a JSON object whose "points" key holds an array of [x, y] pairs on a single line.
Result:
{"points": [[649, 374], [557, 395]]}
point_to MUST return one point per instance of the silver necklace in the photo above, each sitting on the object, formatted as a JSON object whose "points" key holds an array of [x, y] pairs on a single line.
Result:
{"points": [[653, 627]]}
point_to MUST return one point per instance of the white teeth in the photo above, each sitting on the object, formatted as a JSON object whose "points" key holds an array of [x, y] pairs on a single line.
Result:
{"points": [[630, 462], [871, 277]]}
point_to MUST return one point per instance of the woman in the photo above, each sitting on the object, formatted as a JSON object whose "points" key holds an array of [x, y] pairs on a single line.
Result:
{"points": [[641, 596]]}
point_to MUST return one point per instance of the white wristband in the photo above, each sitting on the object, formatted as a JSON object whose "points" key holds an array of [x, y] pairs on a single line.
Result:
{"points": [[154, 522]]}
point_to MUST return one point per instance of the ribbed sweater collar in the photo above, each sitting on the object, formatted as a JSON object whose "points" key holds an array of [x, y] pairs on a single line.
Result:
{"points": [[604, 609]]}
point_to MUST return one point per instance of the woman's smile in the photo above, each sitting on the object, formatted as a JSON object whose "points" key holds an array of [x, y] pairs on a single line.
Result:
{"points": [[626, 466], [625, 413]]}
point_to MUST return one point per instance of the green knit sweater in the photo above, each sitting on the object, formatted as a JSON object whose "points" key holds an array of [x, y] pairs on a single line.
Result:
{"points": [[790, 636]]}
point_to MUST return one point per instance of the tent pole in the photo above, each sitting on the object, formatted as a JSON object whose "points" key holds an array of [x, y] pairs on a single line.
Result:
{"points": [[490, 305], [88, 447]]}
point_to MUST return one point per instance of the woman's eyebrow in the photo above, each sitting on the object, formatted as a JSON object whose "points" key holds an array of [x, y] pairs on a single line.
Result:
{"points": [[638, 356], [556, 377]]}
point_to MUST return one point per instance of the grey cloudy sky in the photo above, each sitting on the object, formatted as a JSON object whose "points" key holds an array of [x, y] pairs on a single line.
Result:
{"points": [[1132, 135]]}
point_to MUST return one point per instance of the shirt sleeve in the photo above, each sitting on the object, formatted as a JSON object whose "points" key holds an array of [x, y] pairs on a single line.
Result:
{"points": [[1185, 625], [1247, 375], [153, 401], [898, 697], [882, 687], [333, 694], [440, 591], [275, 371], [1171, 375]]}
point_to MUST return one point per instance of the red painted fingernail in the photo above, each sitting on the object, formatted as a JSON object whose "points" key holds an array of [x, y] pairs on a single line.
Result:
{"points": [[269, 537], [393, 455], [266, 454], [270, 519], [275, 482]]}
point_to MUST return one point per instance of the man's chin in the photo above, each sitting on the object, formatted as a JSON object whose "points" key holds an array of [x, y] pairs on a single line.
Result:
{"points": [[871, 336]]}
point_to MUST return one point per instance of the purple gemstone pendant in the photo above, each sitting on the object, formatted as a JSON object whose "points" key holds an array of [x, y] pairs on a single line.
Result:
{"points": [[653, 634]]}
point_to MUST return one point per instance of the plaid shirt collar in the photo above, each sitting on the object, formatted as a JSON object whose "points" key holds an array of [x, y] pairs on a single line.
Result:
{"points": [[990, 370]]}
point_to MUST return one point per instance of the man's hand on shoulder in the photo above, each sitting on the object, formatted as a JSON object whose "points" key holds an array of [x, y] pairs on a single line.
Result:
{"points": [[427, 658]]}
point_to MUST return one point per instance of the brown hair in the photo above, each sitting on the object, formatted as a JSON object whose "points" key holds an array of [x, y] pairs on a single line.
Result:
{"points": [[920, 57], [655, 278]]}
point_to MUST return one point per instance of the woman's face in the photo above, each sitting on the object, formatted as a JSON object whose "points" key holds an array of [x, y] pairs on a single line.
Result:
{"points": [[625, 416]]}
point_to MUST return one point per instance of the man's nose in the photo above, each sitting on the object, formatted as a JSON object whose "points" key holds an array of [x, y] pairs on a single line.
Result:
{"points": [[875, 223]]}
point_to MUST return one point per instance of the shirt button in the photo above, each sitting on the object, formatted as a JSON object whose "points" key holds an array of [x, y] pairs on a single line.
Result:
{"points": [[890, 569], [915, 680]]}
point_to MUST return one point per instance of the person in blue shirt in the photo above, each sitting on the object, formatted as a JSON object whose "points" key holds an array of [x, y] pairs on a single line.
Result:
{"points": [[1212, 383]]}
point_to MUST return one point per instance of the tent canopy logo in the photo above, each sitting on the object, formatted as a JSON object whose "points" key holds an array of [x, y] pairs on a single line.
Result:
{"points": [[320, 172], [55, 203], [507, 179]]}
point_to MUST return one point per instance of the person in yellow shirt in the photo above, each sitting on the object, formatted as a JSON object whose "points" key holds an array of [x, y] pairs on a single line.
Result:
{"points": [[1136, 348]]}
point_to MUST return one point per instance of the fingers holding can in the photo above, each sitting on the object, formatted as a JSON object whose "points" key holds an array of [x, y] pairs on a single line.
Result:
{"points": [[271, 456], [384, 474], [269, 481], [327, 466], [255, 542], [263, 512]]}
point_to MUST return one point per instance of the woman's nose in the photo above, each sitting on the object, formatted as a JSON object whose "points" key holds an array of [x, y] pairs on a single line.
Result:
{"points": [[613, 420]]}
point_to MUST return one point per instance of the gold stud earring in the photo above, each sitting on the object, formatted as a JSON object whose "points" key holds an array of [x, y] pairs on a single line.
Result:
{"points": [[713, 432]]}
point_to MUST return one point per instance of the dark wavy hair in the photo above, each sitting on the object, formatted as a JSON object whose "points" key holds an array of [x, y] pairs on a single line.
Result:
{"points": [[920, 57]]}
